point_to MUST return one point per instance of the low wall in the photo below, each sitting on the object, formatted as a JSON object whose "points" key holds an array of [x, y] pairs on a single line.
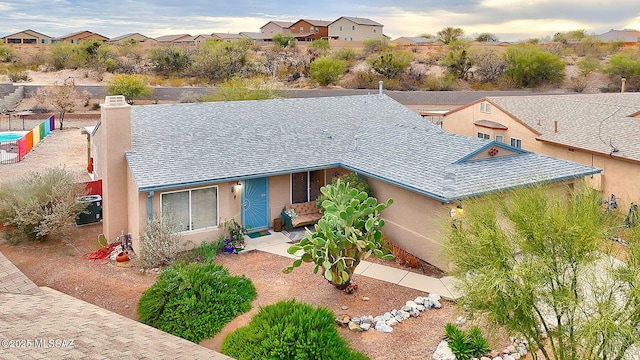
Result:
{"points": [[8, 102]]}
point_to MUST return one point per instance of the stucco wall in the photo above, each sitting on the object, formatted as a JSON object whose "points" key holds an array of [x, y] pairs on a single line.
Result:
{"points": [[462, 122], [414, 222]]}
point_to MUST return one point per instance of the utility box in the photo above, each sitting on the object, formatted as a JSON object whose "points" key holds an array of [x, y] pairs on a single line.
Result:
{"points": [[277, 224], [93, 212]]}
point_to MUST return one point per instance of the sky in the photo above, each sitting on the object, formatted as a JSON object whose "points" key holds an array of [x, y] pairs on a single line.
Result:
{"points": [[509, 20]]}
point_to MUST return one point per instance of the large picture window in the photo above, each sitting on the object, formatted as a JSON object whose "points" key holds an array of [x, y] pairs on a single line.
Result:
{"points": [[305, 186], [192, 209]]}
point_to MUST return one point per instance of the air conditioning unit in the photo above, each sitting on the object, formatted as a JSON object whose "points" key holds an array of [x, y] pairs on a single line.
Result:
{"points": [[92, 213]]}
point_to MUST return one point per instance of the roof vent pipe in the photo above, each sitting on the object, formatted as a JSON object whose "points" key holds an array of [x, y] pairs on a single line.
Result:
{"points": [[380, 88], [624, 85], [555, 126]]}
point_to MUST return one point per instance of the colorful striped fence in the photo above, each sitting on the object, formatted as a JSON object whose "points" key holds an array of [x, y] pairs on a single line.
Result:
{"points": [[33, 137]]}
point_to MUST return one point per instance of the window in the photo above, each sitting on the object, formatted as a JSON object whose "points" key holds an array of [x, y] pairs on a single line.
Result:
{"points": [[193, 209], [353, 27], [517, 143], [500, 138], [374, 29], [44, 41], [485, 108], [317, 30], [305, 186], [13, 41], [301, 29], [340, 27], [482, 135]]}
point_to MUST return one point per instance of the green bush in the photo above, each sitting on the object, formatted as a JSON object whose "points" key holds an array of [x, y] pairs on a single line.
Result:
{"points": [[195, 301], [327, 70], [531, 66], [465, 345], [289, 330], [40, 205], [207, 251]]}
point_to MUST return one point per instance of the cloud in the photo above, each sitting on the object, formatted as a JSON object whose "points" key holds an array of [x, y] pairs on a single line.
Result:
{"points": [[508, 19]]}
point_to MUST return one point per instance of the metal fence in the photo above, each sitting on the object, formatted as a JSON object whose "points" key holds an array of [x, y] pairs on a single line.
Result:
{"points": [[9, 152]]}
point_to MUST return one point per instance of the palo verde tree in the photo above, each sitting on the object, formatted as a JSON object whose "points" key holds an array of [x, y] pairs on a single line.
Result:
{"points": [[536, 261], [450, 34], [349, 230], [457, 60], [530, 65], [327, 70], [130, 86], [219, 61]]}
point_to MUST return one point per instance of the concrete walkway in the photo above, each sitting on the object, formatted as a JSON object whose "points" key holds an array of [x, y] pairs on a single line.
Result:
{"points": [[278, 243]]}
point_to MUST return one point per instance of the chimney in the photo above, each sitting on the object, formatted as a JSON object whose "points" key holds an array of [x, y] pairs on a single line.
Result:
{"points": [[112, 142], [380, 88], [555, 126], [624, 85]]}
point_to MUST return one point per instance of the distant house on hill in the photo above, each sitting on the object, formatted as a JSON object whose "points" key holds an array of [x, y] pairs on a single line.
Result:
{"points": [[355, 29], [171, 39], [27, 37], [131, 37], [309, 30], [270, 29], [76, 37], [196, 40], [416, 41], [627, 36], [228, 37]]}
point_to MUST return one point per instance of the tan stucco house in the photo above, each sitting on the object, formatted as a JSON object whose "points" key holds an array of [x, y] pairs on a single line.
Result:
{"points": [[28, 37], [270, 29], [85, 35], [349, 28], [137, 37], [601, 130], [209, 162]]}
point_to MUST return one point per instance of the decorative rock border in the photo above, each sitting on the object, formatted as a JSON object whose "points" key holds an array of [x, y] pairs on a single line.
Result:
{"points": [[385, 323]]}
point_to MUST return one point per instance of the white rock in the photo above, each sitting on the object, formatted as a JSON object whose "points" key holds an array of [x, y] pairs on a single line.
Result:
{"points": [[508, 357], [511, 349], [383, 328], [485, 358], [420, 307], [419, 300], [443, 352], [365, 326], [434, 297], [365, 298], [392, 322]]}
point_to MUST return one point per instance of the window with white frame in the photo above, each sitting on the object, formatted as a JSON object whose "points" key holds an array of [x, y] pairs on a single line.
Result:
{"points": [[516, 143], [192, 209], [353, 27], [482, 135], [485, 108], [499, 138]]}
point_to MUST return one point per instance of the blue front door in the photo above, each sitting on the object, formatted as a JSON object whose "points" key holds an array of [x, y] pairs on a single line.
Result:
{"points": [[255, 204]]}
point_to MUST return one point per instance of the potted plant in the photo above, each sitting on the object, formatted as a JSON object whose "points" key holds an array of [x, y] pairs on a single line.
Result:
{"points": [[234, 240]]}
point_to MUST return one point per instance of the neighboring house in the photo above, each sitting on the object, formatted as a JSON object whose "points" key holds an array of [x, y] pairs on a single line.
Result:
{"points": [[208, 162], [601, 130], [171, 39], [309, 30], [270, 29], [355, 29], [76, 37], [193, 40], [27, 37], [416, 41], [256, 37], [131, 37], [627, 36], [228, 37]]}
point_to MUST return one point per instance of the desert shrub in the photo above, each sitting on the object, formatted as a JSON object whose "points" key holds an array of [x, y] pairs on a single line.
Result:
{"points": [[195, 301], [445, 82], [208, 250], [130, 86], [39, 109], [587, 65], [578, 84], [465, 345], [326, 70], [346, 53], [40, 205], [390, 63], [161, 241], [289, 330], [623, 65], [531, 66], [6, 53], [372, 46], [16, 75]]}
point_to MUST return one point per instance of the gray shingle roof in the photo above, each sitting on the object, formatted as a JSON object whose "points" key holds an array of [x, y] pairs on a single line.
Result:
{"points": [[189, 144], [361, 21], [592, 122]]}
